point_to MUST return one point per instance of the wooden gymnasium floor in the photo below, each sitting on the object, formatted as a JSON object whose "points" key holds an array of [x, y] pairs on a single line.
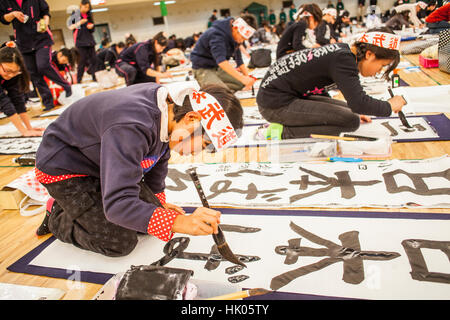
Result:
{"points": [[17, 233]]}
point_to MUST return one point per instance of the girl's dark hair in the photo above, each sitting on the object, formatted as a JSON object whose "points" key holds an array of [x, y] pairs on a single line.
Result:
{"points": [[71, 54], [314, 10], [13, 55], [121, 44], [85, 2], [179, 44], [250, 19], [230, 104], [161, 39], [380, 53]]}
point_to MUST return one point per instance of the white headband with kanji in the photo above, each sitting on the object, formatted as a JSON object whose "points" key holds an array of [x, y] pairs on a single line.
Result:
{"points": [[301, 13], [331, 11], [244, 29], [381, 39], [214, 119], [422, 5]]}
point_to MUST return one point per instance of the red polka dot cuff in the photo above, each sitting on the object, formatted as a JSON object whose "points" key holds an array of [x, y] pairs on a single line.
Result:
{"points": [[47, 179], [161, 222], [162, 197]]}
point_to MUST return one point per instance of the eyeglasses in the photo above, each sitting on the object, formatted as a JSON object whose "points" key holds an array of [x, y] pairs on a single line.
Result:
{"points": [[10, 72]]}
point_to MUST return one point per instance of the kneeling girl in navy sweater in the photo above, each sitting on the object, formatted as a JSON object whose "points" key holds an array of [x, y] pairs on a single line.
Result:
{"points": [[106, 157]]}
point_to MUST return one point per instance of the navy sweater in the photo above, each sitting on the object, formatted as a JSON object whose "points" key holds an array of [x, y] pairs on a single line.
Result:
{"points": [[12, 101], [27, 37], [312, 71], [108, 55], [216, 45], [141, 54], [113, 136]]}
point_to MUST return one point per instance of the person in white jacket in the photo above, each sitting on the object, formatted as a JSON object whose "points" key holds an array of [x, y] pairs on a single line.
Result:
{"points": [[413, 8]]}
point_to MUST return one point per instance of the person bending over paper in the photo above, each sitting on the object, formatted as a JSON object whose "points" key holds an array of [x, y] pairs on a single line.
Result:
{"points": [[104, 162], [216, 46]]}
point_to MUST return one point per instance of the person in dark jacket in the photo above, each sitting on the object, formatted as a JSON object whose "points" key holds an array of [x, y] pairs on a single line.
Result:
{"points": [[30, 20], [263, 34], [216, 46], [81, 23], [104, 162], [66, 60], [342, 21], [190, 42], [300, 34], [108, 56], [399, 20], [141, 62], [292, 94], [325, 33], [14, 82]]}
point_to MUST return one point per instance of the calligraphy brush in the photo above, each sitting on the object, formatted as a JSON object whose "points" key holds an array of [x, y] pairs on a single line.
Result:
{"points": [[219, 238], [241, 294], [401, 115]]}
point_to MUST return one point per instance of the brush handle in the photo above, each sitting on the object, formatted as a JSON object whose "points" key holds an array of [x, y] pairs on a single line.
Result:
{"points": [[219, 238], [198, 187], [232, 296]]}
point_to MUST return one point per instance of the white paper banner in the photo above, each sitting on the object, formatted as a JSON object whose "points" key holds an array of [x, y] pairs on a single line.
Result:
{"points": [[370, 184]]}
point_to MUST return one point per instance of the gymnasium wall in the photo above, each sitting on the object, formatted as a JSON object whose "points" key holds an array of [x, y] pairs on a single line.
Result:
{"points": [[185, 16]]}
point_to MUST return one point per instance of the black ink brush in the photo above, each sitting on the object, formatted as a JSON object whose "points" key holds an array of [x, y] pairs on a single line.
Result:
{"points": [[360, 138], [401, 115], [219, 238]]}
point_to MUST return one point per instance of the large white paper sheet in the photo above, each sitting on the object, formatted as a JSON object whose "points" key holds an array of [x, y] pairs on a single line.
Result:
{"points": [[390, 184], [378, 279]]}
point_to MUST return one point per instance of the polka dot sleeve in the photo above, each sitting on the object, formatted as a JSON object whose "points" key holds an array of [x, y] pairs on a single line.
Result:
{"points": [[162, 197], [161, 223]]}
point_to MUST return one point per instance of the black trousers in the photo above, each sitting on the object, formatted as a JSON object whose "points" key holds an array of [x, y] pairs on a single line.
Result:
{"points": [[132, 74], [313, 115], [78, 217], [39, 64], [88, 59]]}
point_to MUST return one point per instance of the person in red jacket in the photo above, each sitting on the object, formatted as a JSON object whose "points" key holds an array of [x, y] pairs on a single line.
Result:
{"points": [[438, 19]]}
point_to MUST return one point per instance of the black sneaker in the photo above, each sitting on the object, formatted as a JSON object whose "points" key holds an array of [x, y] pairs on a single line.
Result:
{"points": [[68, 92], [48, 108]]}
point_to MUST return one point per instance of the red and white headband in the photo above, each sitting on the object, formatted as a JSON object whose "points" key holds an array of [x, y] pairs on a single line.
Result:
{"points": [[301, 13], [381, 39], [422, 5], [331, 11], [214, 119], [244, 29]]}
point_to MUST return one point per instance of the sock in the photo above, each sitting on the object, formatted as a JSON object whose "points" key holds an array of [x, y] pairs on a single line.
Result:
{"points": [[43, 228], [68, 92], [274, 131]]}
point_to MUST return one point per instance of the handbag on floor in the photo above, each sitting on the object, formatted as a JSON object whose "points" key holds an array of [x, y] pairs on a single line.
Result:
{"points": [[260, 58]]}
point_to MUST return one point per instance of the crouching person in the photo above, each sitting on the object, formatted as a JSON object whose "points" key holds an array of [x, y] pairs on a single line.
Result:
{"points": [[104, 162]]}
